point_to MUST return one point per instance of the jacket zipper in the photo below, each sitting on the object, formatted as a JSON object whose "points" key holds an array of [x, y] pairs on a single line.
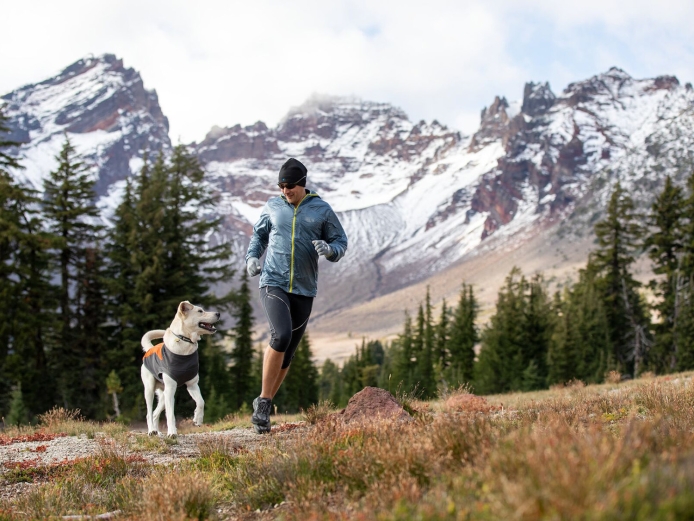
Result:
{"points": [[291, 263]]}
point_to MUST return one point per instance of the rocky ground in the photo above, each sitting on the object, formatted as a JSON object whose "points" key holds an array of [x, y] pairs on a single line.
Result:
{"points": [[39, 450]]}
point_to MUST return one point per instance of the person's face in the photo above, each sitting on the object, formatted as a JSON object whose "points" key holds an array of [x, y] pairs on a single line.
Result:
{"points": [[295, 194]]}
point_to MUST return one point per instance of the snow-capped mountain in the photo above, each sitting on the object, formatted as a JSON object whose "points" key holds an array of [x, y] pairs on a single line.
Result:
{"points": [[415, 198], [110, 118]]}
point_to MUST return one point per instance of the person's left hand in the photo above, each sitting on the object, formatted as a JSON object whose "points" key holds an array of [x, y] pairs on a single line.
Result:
{"points": [[323, 248]]}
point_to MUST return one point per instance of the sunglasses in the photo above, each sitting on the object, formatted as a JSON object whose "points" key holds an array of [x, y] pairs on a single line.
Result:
{"points": [[289, 186]]}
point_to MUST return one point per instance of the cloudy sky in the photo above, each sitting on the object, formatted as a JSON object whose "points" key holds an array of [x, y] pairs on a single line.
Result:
{"points": [[226, 62]]}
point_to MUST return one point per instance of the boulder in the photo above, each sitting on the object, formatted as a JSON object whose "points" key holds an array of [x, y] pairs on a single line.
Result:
{"points": [[372, 403]]}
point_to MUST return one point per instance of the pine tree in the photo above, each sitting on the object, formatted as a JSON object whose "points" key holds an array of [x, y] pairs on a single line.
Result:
{"points": [[499, 367], [442, 335], [370, 363], [514, 344], [166, 223], [301, 383], [562, 351], [25, 290], [329, 382], [684, 288], [242, 352], [18, 414], [464, 336], [537, 331], [618, 237], [403, 354], [665, 246], [90, 338], [121, 251], [70, 213]]}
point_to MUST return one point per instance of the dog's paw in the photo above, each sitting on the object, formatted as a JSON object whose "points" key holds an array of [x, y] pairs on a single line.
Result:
{"points": [[153, 433], [172, 436]]}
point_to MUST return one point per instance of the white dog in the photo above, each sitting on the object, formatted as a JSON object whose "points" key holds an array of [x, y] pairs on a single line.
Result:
{"points": [[174, 363]]}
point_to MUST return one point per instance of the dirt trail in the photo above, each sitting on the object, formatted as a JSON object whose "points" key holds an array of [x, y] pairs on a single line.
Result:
{"points": [[65, 449]]}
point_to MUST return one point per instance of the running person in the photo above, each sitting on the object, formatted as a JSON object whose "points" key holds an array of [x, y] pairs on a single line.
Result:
{"points": [[295, 228]]}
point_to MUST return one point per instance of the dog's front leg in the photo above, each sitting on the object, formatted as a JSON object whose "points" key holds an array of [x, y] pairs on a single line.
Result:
{"points": [[169, 392], [149, 384], [194, 391]]}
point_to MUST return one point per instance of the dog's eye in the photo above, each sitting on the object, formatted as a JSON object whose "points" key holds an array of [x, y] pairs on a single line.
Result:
{"points": [[199, 310]]}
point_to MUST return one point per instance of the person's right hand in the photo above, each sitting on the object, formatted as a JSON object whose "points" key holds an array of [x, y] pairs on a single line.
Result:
{"points": [[253, 267]]}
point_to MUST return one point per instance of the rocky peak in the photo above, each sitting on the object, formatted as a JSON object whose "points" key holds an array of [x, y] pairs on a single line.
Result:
{"points": [[538, 98], [323, 117], [231, 143], [494, 122], [96, 100], [609, 84]]}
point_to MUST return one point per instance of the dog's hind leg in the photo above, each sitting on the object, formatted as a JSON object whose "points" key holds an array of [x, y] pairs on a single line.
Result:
{"points": [[194, 391], [169, 393], [149, 383], [160, 407]]}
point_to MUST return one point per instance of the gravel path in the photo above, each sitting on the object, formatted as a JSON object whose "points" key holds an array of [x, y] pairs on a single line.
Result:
{"points": [[153, 450]]}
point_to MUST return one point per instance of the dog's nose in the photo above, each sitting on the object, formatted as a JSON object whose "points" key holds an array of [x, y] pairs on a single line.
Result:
{"points": [[218, 314]]}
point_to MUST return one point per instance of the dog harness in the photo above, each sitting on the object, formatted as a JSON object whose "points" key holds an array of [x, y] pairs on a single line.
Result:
{"points": [[160, 360]]}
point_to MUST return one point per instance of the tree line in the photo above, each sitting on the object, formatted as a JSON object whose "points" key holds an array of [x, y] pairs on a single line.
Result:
{"points": [[602, 323], [76, 296]]}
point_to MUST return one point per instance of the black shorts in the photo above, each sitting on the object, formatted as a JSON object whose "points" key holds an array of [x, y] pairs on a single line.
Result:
{"points": [[288, 316]]}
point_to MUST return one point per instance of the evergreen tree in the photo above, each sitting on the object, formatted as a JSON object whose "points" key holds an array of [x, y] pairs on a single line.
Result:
{"points": [[665, 246], [403, 355], [242, 352], [618, 237], [683, 309], [122, 250], [442, 336], [18, 414], [562, 352], [500, 364], [515, 343], [423, 351], [70, 213], [464, 336], [25, 290], [329, 384], [167, 251], [301, 383], [90, 338], [537, 330]]}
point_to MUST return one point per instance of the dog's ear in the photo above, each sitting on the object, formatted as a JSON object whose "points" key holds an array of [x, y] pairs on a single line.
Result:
{"points": [[184, 307]]}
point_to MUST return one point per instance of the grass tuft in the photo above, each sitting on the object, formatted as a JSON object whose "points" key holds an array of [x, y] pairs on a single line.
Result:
{"points": [[319, 412]]}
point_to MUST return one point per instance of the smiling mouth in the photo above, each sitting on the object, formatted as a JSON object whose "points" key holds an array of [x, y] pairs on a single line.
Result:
{"points": [[207, 327]]}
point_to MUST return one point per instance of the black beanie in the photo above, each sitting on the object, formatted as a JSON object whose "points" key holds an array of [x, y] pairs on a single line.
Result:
{"points": [[294, 172]]}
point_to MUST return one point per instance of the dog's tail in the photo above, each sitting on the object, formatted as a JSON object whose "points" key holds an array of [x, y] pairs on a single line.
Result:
{"points": [[147, 338]]}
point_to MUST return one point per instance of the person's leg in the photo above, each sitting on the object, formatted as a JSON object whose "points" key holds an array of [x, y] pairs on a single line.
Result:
{"points": [[277, 309], [272, 372], [280, 378], [300, 308]]}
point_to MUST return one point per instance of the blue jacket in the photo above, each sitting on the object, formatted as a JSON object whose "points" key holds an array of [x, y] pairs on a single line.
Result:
{"points": [[286, 232]]}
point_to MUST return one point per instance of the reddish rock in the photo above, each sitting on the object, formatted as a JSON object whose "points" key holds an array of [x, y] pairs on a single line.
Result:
{"points": [[372, 403]]}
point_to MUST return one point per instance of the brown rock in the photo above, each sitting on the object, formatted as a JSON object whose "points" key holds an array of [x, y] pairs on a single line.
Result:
{"points": [[372, 403]]}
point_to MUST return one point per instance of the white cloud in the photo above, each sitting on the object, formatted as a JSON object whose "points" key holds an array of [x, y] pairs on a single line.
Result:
{"points": [[227, 62]]}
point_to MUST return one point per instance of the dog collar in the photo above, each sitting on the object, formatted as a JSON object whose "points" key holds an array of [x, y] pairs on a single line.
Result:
{"points": [[184, 338]]}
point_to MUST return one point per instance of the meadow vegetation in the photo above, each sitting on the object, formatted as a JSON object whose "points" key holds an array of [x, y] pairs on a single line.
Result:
{"points": [[610, 451]]}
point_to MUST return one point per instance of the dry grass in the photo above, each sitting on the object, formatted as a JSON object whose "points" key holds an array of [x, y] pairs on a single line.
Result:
{"points": [[319, 412], [66, 422], [615, 451]]}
